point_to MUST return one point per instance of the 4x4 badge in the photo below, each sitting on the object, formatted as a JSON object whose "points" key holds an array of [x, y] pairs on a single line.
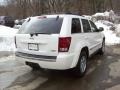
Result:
{"points": [[31, 38]]}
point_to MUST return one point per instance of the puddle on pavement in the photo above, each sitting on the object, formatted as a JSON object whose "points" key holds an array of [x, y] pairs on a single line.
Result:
{"points": [[31, 86], [109, 57], [107, 81], [116, 51], [117, 87], [115, 69], [90, 70]]}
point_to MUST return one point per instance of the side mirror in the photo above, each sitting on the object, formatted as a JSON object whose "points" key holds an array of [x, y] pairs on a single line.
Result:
{"points": [[101, 29]]}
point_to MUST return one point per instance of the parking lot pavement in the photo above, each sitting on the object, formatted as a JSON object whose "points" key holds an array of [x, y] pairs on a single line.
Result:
{"points": [[5, 53], [103, 74]]}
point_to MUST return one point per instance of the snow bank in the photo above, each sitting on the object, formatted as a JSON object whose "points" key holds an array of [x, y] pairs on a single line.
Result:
{"points": [[7, 34], [7, 38], [102, 24], [118, 30], [111, 36], [106, 13], [87, 16], [7, 31], [7, 44]]}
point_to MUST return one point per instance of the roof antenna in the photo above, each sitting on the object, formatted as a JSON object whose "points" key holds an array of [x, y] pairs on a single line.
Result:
{"points": [[29, 19], [57, 18]]}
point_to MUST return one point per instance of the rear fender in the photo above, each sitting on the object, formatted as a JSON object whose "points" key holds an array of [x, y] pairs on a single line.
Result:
{"points": [[78, 50]]}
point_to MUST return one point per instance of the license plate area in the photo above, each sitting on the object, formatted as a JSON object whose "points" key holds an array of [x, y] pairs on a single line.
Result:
{"points": [[33, 46]]}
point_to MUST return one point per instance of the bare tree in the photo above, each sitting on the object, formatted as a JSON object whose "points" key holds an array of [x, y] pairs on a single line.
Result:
{"points": [[25, 8]]}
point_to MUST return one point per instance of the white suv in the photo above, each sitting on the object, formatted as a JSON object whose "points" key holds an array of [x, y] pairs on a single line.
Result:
{"points": [[59, 42]]}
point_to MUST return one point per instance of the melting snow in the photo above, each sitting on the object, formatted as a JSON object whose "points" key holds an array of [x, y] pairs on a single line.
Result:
{"points": [[7, 38], [111, 36], [7, 34]]}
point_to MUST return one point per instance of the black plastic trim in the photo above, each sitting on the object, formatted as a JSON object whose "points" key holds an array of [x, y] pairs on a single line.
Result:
{"points": [[38, 57]]}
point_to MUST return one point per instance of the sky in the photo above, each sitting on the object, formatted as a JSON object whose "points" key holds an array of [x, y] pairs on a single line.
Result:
{"points": [[1, 1]]}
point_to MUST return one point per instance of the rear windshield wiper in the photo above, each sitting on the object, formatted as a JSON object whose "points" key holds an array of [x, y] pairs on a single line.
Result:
{"points": [[32, 34]]}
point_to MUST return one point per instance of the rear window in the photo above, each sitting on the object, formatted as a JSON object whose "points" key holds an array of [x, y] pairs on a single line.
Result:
{"points": [[8, 18], [42, 26]]}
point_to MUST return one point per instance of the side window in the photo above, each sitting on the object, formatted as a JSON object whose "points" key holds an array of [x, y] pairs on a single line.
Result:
{"points": [[93, 27], [86, 25], [76, 27]]}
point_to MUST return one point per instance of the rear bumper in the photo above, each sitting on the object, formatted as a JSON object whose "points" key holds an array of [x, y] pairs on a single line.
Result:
{"points": [[36, 57], [60, 62]]}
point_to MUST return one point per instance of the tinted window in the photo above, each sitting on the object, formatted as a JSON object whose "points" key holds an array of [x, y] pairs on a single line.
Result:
{"points": [[42, 25], [76, 27], [8, 18], [86, 25], [93, 27]]}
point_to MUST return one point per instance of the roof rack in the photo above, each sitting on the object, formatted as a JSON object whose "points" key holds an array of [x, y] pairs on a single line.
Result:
{"points": [[73, 13], [70, 13]]}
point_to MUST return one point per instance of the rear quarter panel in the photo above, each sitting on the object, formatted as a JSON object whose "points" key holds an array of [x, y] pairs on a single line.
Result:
{"points": [[77, 44]]}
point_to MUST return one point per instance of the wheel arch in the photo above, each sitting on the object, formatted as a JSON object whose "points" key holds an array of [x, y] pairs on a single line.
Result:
{"points": [[75, 61], [103, 38], [86, 50]]}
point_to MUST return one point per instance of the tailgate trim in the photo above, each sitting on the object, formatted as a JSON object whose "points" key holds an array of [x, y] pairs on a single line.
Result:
{"points": [[36, 57]]}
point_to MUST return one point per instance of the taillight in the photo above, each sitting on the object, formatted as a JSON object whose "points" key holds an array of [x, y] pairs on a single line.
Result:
{"points": [[15, 41], [64, 44]]}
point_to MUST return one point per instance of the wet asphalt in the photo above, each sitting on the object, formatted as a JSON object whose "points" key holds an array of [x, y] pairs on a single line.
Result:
{"points": [[103, 73]]}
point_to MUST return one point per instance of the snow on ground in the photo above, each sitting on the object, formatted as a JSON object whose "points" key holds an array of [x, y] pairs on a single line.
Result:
{"points": [[7, 34], [7, 31], [118, 29], [7, 38], [111, 36], [106, 13], [111, 30]]}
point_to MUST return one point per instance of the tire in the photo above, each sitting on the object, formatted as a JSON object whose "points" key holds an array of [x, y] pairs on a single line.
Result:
{"points": [[81, 67], [34, 66], [102, 49]]}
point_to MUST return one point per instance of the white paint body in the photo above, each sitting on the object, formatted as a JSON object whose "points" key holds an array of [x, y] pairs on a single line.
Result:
{"points": [[48, 45]]}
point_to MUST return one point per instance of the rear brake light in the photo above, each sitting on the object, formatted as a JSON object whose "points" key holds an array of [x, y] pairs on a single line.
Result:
{"points": [[64, 44], [15, 41]]}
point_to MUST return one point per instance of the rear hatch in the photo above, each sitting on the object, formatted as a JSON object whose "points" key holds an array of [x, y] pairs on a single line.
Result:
{"points": [[39, 36]]}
